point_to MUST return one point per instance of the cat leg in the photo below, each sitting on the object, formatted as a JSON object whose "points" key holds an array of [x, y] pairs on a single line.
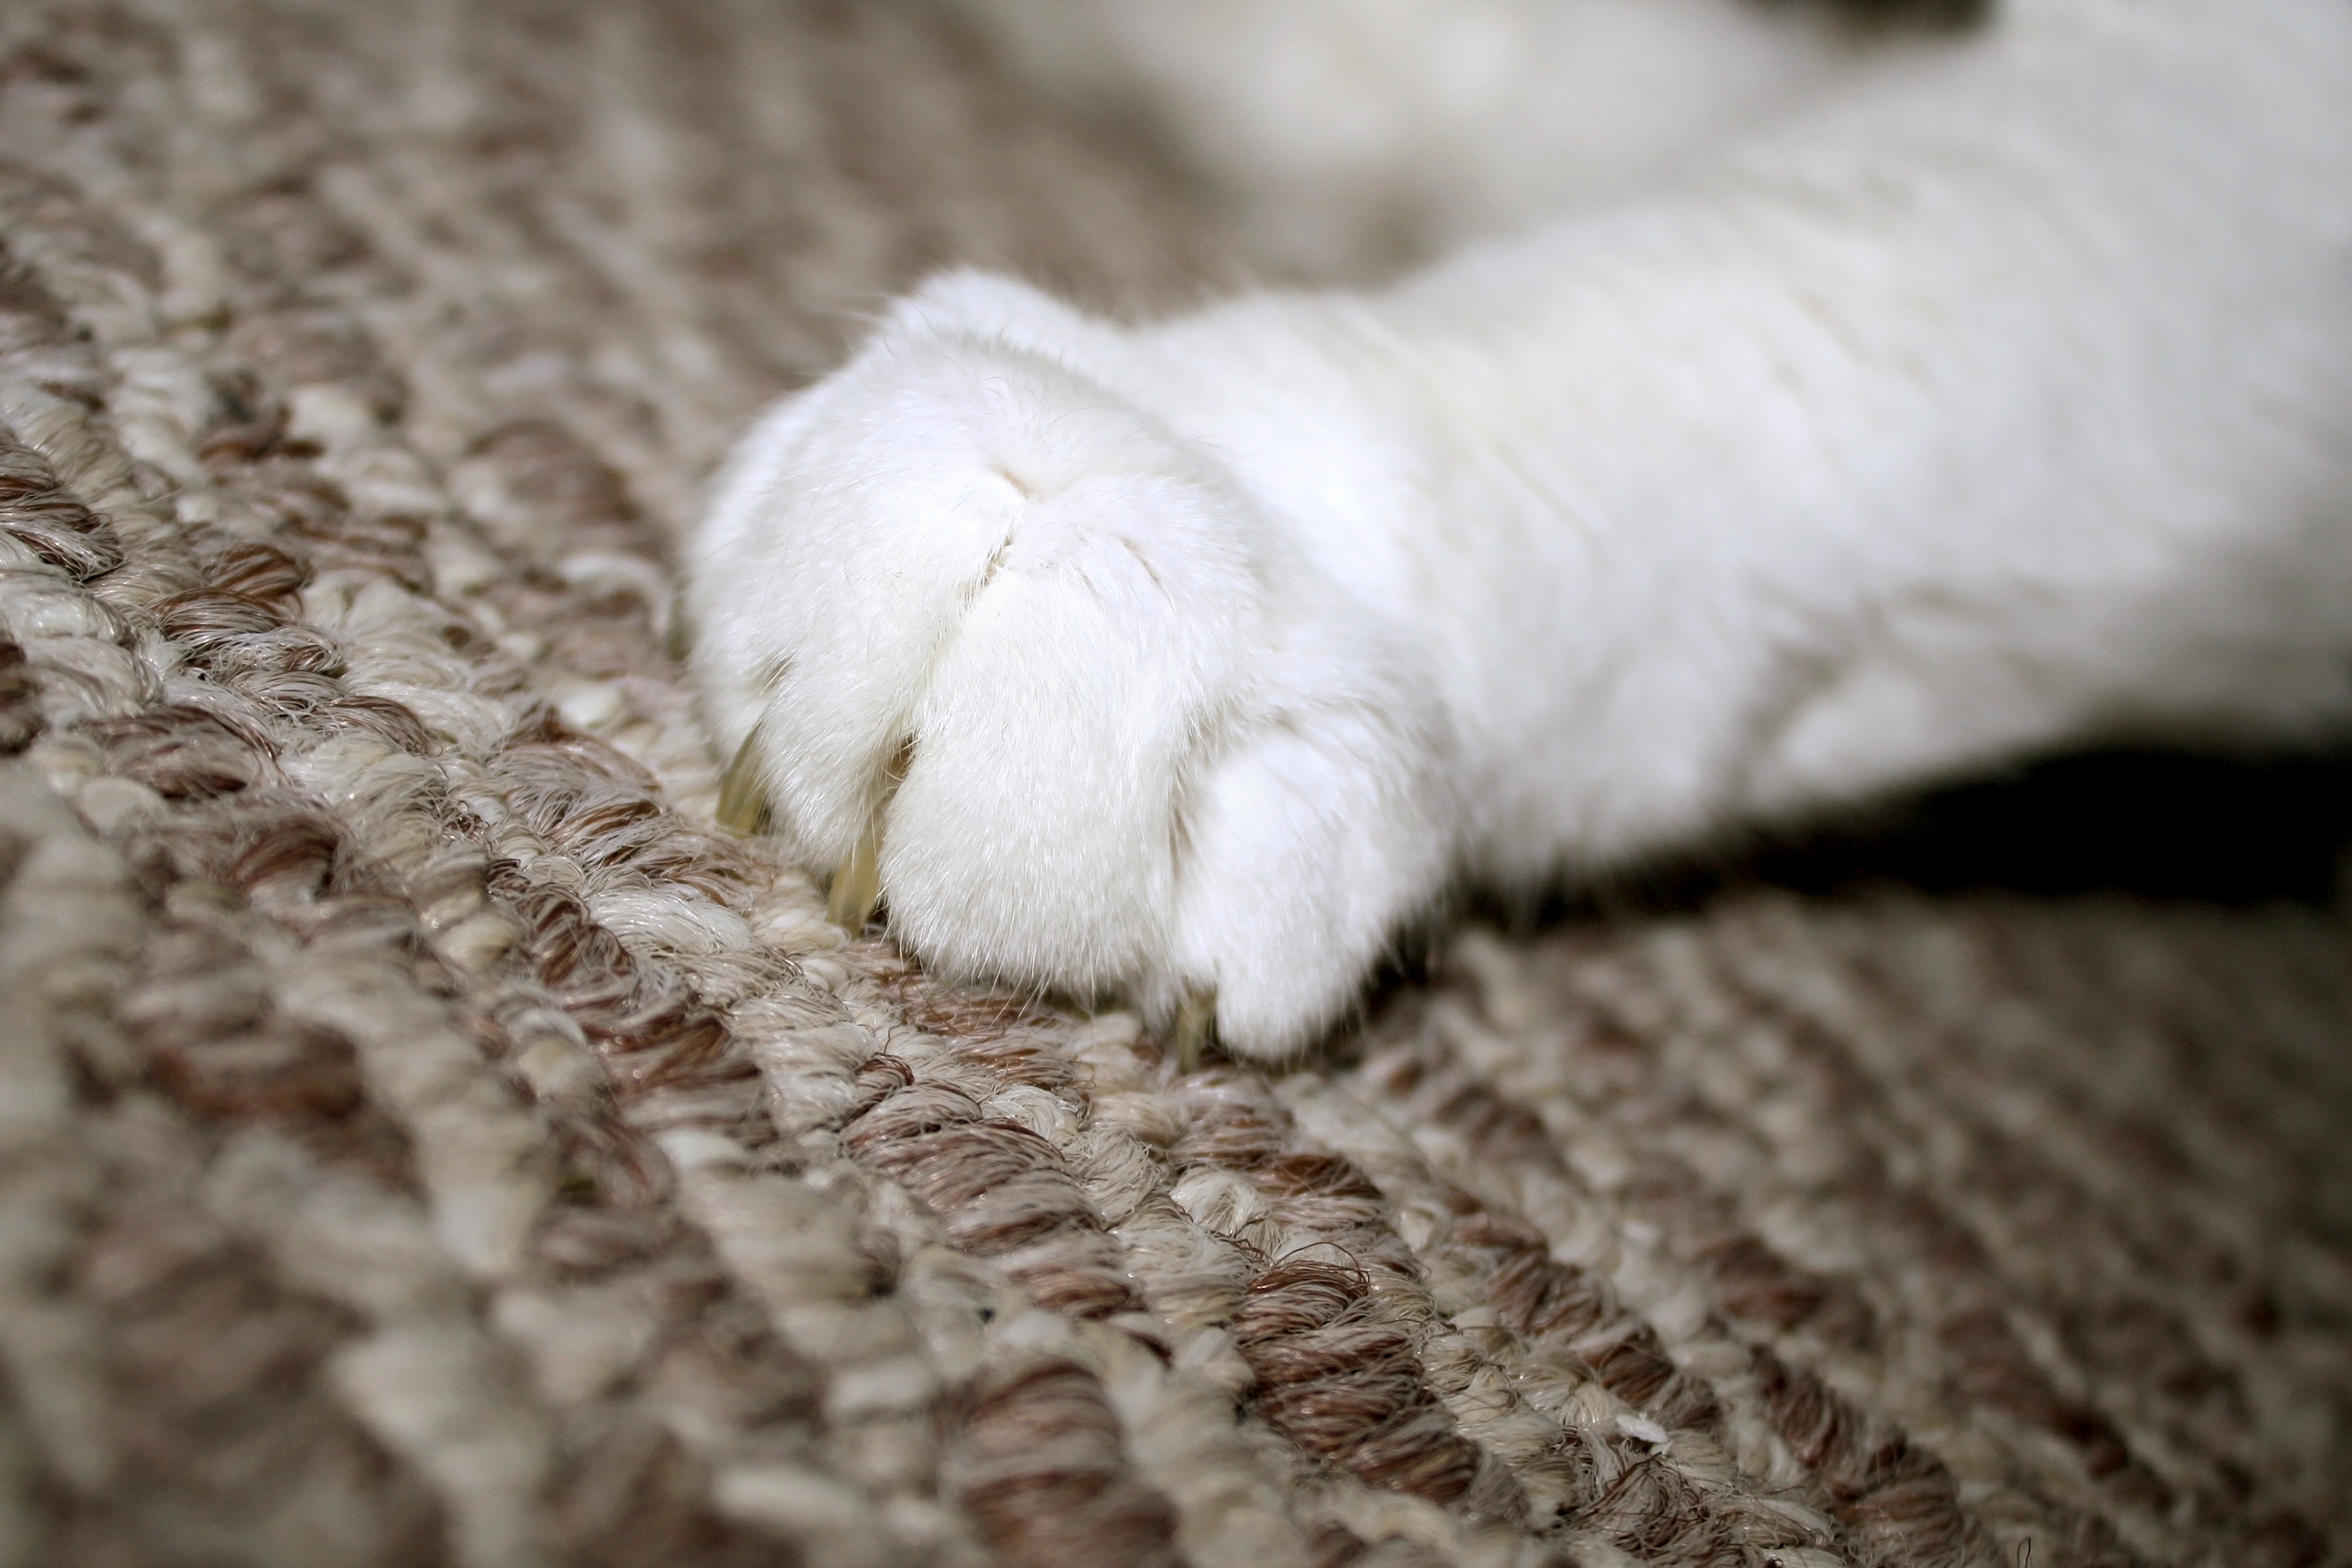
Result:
{"points": [[1999, 408]]}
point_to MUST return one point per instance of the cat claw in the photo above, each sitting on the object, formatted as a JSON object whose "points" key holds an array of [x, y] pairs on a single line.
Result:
{"points": [[858, 885], [742, 797], [1195, 1029]]}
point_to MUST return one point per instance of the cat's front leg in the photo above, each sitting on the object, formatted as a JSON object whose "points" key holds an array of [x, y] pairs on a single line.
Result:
{"points": [[1003, 647], [1951, 424]]}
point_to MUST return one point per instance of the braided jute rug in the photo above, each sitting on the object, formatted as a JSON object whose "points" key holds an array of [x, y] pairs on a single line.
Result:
{"points": [[425, 1138]]}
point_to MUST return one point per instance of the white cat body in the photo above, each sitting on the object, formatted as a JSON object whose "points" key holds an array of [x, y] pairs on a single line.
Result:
{"points": [[2000, 398]]}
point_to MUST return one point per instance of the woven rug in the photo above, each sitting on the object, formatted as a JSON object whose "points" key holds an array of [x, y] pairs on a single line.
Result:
{"points": [[425, 1138]]}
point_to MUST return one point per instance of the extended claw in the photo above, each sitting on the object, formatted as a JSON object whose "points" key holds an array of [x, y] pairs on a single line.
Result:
{"points": [[1196, 1028], [743, 796], [858, 885]]}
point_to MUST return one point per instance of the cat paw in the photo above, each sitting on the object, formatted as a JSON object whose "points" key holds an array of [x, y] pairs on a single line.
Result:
{"points": [[991, 641]]}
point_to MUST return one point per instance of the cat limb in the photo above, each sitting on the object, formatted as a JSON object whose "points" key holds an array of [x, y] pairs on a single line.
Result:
{"points": [[1999, 404]]}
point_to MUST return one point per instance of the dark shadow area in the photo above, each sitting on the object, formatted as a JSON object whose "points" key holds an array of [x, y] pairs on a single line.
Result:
{"points": [[2158, 825], [2165, 825], [2161, 824]]}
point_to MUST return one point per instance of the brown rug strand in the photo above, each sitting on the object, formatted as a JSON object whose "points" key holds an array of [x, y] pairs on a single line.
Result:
{"points": [[424, 1139]]}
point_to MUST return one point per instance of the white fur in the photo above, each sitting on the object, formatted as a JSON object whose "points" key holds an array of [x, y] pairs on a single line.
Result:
{"points": [[2000, 396]]}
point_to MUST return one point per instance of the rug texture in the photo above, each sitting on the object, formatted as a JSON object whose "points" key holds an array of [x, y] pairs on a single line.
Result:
{"points": [[425, 1138]]}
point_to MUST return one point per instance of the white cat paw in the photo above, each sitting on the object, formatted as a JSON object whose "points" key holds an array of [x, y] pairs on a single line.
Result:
{"points": [[995, 642]]}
